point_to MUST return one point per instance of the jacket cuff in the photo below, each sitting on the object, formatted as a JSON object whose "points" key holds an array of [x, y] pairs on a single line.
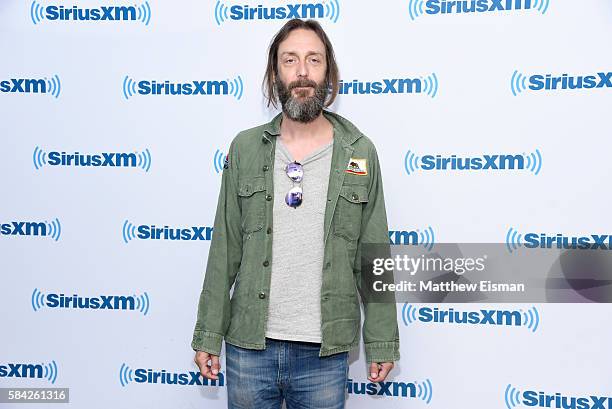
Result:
{"points": [[207, 341], [382, 351]]}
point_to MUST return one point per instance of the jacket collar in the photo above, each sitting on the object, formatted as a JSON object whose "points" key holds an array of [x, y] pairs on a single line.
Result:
{"points": [[343, 128]]}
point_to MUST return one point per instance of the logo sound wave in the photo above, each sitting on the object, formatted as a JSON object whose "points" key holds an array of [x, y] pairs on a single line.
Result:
{"points": [[37, 300], [236, 87], [54, 229], [143, 303], [541, 5], [128, 231], [512, 397], [125, 375], [425, 390], [332, 10], [51, 371], [431, 85], [144, 160], [129, 87], [518, 83], [531, 319], [415, 8], [218, 160], [513, 240], [144, 13], [409, 314]]}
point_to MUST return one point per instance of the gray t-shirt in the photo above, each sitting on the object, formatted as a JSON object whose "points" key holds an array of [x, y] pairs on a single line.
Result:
{"points": [[297, 248]]}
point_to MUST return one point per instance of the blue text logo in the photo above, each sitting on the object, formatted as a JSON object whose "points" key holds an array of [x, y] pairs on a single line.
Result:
{"points": [[141, 160], [53, 13], [529, 319], [128, 375], [139, 303], [232, 87], [425, 237], [326, 9], [514, 240], [549, 82], [51, 86], [21, 370], [514, 397], [51, 229], [418, 8], [419, 390], [131, 232], [422, 85], [530, 162]]}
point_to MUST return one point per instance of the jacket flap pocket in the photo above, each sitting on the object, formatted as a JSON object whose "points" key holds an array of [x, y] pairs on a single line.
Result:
{"points": [[246, 187], [355, 193]]}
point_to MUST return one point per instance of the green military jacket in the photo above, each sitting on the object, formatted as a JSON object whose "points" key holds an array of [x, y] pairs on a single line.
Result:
{"points": [[241, 247]]}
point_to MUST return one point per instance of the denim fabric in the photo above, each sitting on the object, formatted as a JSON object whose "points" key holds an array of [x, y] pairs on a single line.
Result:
{"points": [[285, 370]]}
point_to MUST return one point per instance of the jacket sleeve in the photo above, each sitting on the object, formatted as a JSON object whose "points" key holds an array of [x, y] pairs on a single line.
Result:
{"points": [[380, 330], [224, 257]]}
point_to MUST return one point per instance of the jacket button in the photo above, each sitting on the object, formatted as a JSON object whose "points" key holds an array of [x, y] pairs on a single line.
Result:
{"points": [[355, 197], [327, 265], [269, 231], [266, 263], [268, 197], [265, 168], [262, 295]]}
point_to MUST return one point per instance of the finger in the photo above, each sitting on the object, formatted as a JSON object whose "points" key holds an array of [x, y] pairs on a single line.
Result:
{"points": [[385, 368], [373, 372], [216, 366]]}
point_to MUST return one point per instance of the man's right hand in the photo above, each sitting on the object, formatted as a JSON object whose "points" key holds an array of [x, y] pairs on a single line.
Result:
{"points": [[208, 371]]}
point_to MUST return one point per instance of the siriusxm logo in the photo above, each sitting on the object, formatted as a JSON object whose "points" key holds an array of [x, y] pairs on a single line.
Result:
{"points": [[141, 375], [418, 8], [151, 232], [40, 13], [420, 390], [51, 86], [43, 229], [218, 161], [514, 397], [234, 87], [416, 237], [136, 159], [548, 82], [514, 240], [21, 370], [326, 9], [529, 319], [530, 162], [139, 303], [423, 85]]}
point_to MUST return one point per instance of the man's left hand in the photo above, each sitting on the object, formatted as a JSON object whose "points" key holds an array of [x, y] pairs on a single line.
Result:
{"points": [[379, 371]]}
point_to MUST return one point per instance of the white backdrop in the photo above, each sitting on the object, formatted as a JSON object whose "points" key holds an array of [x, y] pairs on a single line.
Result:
{"points": [[80, 230]]}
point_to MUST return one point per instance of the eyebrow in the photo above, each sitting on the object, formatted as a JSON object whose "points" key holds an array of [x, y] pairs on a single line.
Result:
{"points": [[295, 53]]}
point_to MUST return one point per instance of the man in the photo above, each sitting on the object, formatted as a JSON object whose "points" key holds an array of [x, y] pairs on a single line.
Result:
{"points": [[298, 197]]}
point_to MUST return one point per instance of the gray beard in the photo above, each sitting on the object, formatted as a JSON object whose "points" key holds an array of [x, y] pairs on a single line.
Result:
{"points": [[304, 111]]}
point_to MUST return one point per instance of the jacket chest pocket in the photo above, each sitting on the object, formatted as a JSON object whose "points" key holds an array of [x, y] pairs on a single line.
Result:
{"points": [[252, 193], [348, 211]]}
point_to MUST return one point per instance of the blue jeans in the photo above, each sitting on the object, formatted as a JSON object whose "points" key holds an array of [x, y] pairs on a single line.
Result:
{"points": [[290, 370]]}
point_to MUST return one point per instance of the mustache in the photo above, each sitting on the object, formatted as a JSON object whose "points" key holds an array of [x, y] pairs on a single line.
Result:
{"points": [[302, 83]]}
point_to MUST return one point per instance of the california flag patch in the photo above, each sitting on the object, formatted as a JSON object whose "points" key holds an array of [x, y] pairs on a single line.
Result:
{"points": [[357, 167]]}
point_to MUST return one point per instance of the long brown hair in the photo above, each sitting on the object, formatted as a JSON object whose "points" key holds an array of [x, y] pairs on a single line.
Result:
{"points": [[331, 73]]}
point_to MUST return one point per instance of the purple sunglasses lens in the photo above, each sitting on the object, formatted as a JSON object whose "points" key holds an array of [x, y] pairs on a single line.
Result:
{"points": [[295, 171], [294, 197]]}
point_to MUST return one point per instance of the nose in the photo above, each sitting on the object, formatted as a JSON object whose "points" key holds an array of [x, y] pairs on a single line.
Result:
{"points": [[302, 70]]}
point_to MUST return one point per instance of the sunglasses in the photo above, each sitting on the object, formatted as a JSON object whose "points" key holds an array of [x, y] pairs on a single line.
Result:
{"points": [[295, 172]]}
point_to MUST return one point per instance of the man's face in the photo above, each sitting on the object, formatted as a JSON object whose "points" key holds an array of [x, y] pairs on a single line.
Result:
{"points": [[300, 83]]}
